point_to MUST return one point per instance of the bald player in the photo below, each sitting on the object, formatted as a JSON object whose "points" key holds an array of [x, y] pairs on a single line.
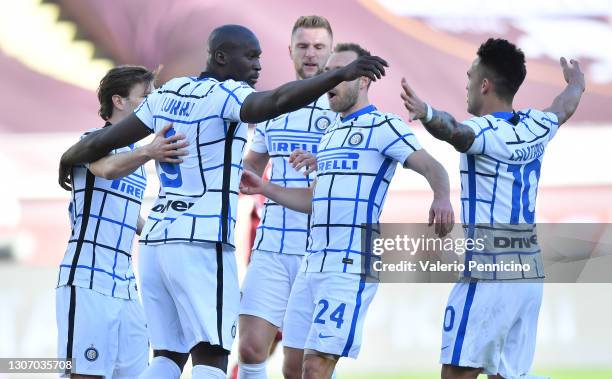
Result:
{"points": [[187, 264]]}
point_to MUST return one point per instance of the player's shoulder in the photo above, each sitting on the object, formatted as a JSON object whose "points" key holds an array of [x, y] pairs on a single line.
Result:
{"points": [[539, 116], [88, 132], [386, 119], [232, 85], [176, 83]]}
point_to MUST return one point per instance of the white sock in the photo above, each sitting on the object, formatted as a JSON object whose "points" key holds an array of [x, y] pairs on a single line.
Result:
{"points": [[252, 371], [207, 372], [161, 367]]}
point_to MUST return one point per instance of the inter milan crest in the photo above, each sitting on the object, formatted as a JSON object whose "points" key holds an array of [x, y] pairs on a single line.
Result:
{"points": [[322, 122], [91, 354], [355, 139]]}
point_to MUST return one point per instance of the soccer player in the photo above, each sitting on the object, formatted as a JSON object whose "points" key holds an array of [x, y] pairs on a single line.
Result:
{"points": [[356, 161], [490, 327], [187, 264], [281, 239], [100, 322]]}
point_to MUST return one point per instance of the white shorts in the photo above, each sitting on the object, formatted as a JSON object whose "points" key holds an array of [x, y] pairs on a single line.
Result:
{"points": [[267, 285], [492, 325], [103, 335], [326, 312], [190, 294]]}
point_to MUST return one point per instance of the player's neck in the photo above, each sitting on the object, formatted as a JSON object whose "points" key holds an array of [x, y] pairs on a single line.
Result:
{"points": [[495, 106], [116, 117]]}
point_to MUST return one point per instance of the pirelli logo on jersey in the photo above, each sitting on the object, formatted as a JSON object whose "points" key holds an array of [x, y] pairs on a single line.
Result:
{"points": [[338, 162], [177, 107], [129, 186], [287, 143]]}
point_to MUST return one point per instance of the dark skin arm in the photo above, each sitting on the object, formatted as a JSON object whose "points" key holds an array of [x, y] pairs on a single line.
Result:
{"points": [[261, 106], [257, 107], [443, 126], [99, 143]]}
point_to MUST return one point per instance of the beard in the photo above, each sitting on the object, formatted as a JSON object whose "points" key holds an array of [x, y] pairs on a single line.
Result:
{"points": [[346, 102]]}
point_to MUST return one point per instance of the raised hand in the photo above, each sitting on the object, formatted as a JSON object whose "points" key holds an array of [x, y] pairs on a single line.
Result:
{"points": [[303, 159], [167, 149], [572, 72], [415, 106], [372, 67]]}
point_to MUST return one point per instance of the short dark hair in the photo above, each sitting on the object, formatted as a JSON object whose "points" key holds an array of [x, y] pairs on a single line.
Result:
{"points": [[360, 51], [119, 81], [312, 22], [504, 63]]}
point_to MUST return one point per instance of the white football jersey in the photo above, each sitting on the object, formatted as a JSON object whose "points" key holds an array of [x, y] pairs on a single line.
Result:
{"points": [[501, 170], [198, 198], [103, 214], [499, 183], [283, 230], [355, 163]]}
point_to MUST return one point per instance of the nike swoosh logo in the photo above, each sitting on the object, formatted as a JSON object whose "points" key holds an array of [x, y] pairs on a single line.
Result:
{"points": [[445, 347], [323, 336]]}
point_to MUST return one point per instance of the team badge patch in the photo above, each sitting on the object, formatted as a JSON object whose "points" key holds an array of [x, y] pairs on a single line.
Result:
{"points": [[356, 139], [91, 354], [322, 122]]}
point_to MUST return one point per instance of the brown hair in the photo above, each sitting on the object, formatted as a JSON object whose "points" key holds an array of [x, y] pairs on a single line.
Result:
{"points": [[119, 81], [355, 48], [311, 22]]}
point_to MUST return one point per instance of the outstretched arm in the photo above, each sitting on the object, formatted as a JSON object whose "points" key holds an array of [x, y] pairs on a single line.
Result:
{"points": [[565, 104], [441, 212], [161, 149], [298, 199], [261, 106], [441, 125]]}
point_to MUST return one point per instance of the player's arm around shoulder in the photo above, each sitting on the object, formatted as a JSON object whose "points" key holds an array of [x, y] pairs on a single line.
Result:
{"points": [[566, 103], [441, 212], [162, 149], [439, 124]]}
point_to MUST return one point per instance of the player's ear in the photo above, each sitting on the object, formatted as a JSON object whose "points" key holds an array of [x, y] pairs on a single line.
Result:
{"points": [[486, 86], [290, 51], [364, 82], [220, 58], [118, 102]]}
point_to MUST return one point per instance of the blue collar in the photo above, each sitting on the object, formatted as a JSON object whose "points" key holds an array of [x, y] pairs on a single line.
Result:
{"points": [[511, 118], [503, 115], [364, 110]]}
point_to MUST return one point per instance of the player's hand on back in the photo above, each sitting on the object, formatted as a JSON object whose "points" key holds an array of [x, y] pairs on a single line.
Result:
{"points": [[167, 149], [415, 106], [251, 183], [372, 67], [572, 72], [303, 159], [441, 215]]}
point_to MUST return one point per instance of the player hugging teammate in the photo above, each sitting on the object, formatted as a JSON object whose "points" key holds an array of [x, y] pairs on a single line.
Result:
{"points": [[306, 275]]}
